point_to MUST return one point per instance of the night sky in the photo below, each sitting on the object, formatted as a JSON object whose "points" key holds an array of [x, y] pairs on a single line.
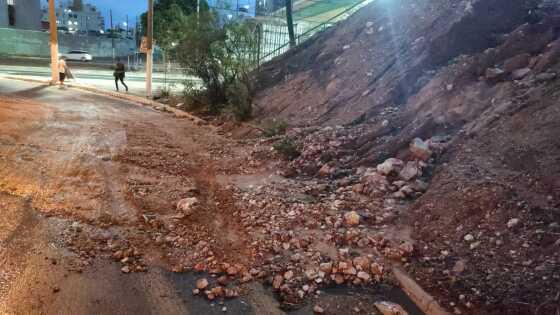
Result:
{"points": [[120, 9]]}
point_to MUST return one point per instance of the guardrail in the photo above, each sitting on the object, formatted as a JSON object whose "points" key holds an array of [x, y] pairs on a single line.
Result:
{"points": [[312, 31]]}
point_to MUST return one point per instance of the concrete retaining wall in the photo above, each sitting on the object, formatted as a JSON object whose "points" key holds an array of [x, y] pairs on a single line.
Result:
{"points": [[36, 44]]}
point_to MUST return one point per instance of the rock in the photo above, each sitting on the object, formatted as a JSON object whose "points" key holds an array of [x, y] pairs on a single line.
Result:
{"points": [[338, 279], [195, 291], [202, 283], [125, 269], [399, 195], [361, 262], [407, 190], [217, 291], [390, 165], [520, 73], [459, 266], [495, 74], [516, 62], [474, 245], [469, 238], [325, 171], [376, 269], [364, 276], [231, 293], [210, 296], [224, 309], [246, 278], [350, 271], [318, 310], [546, 76], [288, 275], [187, 205], [406, 248], [513, 222], [420, 186], [326, 267], [223, 280], [352, 218], [410, 171], [420, 149], [277, 282], [389, 308], [232, 271]]}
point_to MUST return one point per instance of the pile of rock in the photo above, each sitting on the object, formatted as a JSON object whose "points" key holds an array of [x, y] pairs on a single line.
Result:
{"points": [[403, 179]]}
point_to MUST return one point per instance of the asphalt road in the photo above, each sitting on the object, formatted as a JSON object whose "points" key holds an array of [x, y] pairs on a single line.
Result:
{"points": [[80, 173], [101, 78], [52, 176]]}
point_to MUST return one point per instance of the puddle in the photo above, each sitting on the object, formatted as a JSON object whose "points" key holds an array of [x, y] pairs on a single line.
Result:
{"points": [[259, 299]]}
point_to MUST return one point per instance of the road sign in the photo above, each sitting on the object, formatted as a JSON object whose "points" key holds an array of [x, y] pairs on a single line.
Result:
{"points": [[144, 45]]}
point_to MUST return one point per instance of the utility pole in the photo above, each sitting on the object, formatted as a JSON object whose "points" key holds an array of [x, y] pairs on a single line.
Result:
{"points": [[150, 53], [54, 42], [112, 33]]}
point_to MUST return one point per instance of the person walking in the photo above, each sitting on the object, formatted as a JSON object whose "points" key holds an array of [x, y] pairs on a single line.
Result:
{"points": [[120, 74]]}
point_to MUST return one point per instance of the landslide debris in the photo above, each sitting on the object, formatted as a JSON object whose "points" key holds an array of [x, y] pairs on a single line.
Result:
{"points": [[442, 116]]}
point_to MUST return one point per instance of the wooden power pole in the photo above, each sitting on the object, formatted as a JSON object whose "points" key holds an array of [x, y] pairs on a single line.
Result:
{"points": [[54, 42], [150, 52]]}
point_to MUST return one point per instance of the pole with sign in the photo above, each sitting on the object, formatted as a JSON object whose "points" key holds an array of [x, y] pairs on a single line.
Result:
{"points": [[54, 42], [149, 49]]}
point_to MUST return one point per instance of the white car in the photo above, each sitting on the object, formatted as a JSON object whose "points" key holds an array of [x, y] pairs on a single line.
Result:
{"points": [[79, 55]]}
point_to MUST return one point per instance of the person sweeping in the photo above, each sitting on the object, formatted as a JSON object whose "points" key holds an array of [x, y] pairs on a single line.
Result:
{"points": [[62, 69], [120, 74]]}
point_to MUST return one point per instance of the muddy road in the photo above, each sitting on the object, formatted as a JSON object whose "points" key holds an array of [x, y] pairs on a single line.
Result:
{"points": [[58, 169], [88, 189]]}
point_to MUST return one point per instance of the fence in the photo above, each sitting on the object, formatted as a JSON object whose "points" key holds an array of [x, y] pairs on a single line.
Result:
{"points": [[281, 44]]}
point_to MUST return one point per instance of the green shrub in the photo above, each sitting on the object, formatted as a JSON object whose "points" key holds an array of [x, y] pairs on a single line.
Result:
{"points": [[275, 128], [287, 148], [221, 56], [239, 100]]}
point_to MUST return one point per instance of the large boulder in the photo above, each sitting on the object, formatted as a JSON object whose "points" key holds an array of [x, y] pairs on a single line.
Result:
{"points": [[420, 149], [187, 205], [411, 170], [390, 166]]}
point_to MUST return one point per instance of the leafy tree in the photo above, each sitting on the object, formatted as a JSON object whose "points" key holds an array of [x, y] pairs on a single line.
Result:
{"points": [[222, 56], [170, 20]]}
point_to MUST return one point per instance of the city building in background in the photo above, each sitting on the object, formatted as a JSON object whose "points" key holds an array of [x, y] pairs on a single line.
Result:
{"points": [[20, 14], [229, 10], [77, 16]]}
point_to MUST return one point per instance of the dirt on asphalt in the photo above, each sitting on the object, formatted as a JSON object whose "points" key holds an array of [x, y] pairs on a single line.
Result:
{"points": [[88, 191]]}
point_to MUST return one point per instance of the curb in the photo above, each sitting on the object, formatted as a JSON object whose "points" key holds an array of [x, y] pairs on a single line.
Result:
{"points": [[421, 298], [127, 97]]}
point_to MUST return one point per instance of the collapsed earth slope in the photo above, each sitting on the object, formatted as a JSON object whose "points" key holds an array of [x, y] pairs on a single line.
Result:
{"points": [[487, 228], [378, 57]]}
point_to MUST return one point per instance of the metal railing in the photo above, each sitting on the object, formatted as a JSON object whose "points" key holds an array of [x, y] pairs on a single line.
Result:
{"points": [[300, 38]]}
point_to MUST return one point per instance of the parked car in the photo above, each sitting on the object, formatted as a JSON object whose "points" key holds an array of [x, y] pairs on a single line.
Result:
{"points": [[79, 55]]}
